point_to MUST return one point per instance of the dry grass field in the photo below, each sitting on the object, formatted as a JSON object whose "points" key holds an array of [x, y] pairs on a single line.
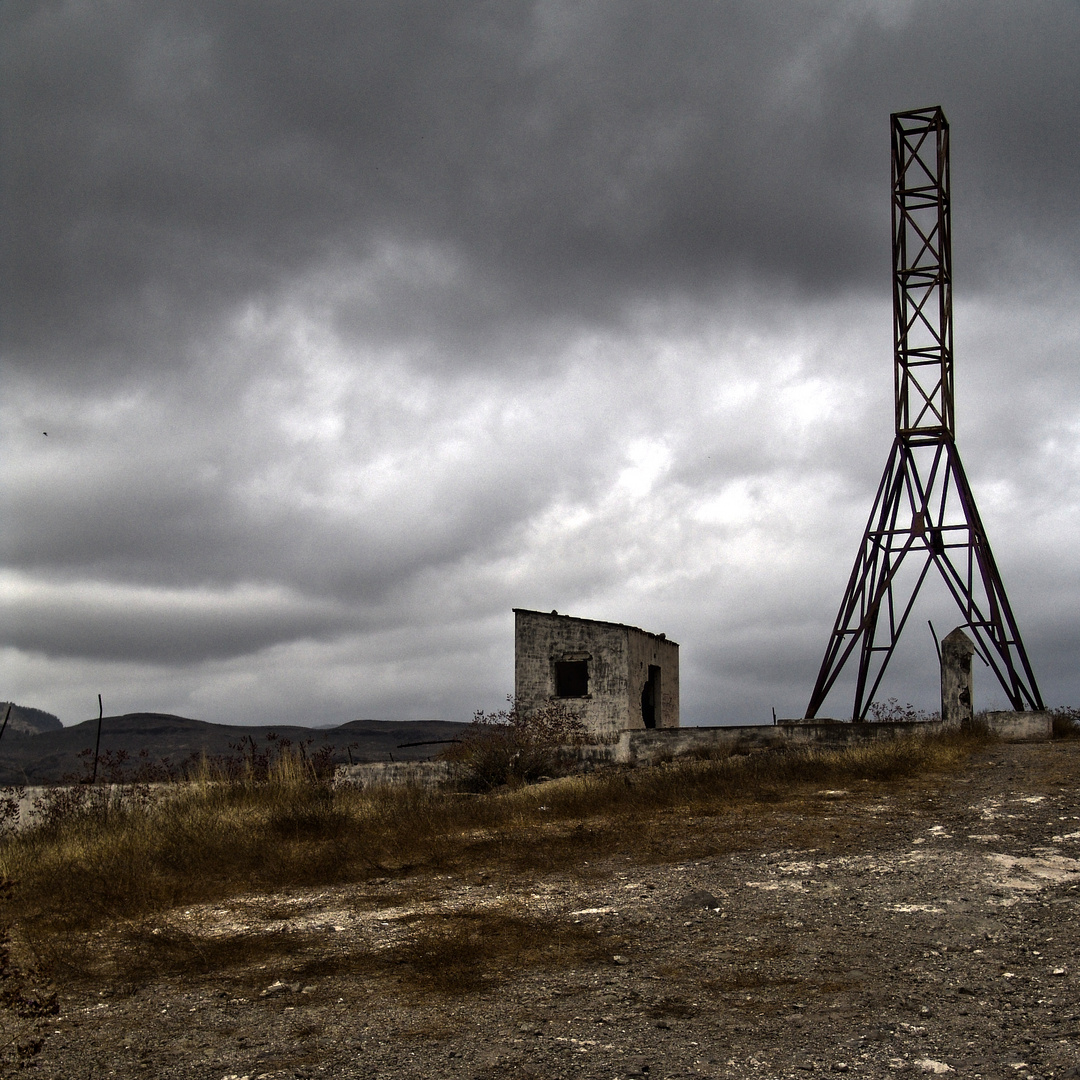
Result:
{"points": [[286, 894]]}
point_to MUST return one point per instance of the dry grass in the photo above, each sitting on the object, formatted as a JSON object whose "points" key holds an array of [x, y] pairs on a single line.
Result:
{"points": [[90, 890], [1066, 723]]}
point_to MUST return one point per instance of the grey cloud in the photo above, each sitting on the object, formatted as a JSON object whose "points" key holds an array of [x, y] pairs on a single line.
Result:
{"points": [[217, 498], [182, 627], [169, 162]]}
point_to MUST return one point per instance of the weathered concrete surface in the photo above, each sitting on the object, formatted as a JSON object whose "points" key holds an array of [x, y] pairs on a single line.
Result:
{"points": [[956, 684], [619, 659], [650, 747], [428, 774], [1020, 727], [22, 806]]}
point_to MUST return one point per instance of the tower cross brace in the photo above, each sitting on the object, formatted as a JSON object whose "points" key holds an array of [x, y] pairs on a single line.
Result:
{"points": [[924, 514]]}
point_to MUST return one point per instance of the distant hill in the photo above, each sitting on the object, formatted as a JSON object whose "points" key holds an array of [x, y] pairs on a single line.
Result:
{"points": [[55, 755], [25, 720]]}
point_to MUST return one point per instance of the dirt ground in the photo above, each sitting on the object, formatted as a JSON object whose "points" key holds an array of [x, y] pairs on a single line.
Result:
{"points": [[894, 929]]}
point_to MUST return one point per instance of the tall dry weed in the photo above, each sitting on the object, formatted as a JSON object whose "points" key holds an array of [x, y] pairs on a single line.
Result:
{"points": [[1066, 722]]}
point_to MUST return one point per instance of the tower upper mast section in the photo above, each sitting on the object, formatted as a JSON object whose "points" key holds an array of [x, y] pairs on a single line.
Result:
{"points": [[922, 274]]}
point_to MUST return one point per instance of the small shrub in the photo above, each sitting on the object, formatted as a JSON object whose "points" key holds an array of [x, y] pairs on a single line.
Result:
{"points": [[119, 767], [513, 747], [892, 712], [1066, 722], [59, 805], [10, 813]]}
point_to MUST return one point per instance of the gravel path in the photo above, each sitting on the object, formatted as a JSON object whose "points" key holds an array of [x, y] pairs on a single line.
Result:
{"points": [[919, 928]]}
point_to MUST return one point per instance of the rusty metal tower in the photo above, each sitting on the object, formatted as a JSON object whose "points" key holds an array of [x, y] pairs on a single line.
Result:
{"points": [[924, 514]]}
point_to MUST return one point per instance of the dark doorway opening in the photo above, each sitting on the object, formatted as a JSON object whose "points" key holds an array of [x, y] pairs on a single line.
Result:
{"points": [[650, 698], [571, 678]]}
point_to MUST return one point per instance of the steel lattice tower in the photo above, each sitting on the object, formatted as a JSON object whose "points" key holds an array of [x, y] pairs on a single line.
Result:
{"points": [[924, 513]]}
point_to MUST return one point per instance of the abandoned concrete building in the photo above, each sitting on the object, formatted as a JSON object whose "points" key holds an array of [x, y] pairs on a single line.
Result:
{"points": [[615, 677]]}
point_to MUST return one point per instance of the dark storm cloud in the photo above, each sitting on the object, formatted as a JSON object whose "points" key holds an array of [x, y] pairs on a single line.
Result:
{"points": [[168, 161], [1006, 77]]}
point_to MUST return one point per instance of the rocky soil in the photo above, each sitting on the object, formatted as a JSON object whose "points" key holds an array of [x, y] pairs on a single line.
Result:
{"points": [[924, 927]]}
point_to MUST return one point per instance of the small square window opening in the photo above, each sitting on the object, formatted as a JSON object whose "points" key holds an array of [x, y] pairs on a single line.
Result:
{"points": [[571, 678]]}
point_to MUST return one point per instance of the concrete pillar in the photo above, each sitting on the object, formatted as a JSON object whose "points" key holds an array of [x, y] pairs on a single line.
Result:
{"points": [[956, 687]]}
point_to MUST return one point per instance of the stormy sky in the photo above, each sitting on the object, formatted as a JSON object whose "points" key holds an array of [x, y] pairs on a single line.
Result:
{"points": [[353, 325]]}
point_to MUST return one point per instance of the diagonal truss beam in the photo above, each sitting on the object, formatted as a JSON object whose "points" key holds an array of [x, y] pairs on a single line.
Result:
{"points": [[924, 518]]}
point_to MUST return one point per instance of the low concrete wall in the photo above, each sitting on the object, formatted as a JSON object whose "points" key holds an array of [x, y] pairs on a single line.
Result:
{"points": [[427, 774], [650, 747], [23, 806], [1019, 726]]}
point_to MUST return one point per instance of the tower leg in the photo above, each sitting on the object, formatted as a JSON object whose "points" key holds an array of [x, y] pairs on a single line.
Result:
{"points": [[924, 511]]}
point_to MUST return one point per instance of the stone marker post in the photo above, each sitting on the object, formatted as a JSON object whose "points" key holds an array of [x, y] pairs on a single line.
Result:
{"points": [[956, 686]]}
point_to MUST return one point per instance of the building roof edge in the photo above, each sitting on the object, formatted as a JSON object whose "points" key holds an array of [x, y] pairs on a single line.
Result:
{"points": [[596, 622]]}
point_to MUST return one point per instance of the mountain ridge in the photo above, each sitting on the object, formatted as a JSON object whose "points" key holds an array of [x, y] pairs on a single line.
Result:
{"points": [[154, 738], [26, 720]]}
